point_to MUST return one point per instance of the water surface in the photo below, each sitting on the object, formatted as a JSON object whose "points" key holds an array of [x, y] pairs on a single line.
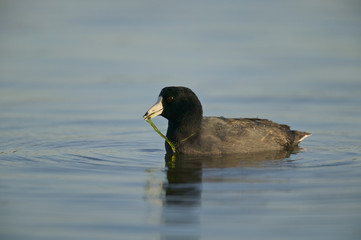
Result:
{"points": [[77, 161]]}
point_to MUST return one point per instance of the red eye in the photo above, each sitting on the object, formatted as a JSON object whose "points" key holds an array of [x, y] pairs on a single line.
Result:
{"points": [[170, 99]]}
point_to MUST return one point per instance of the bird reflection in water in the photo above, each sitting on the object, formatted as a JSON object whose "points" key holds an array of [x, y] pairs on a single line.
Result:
{"points": [[181, 192]]}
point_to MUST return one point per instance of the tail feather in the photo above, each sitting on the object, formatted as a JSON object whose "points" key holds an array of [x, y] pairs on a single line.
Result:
{"points": [[299, 136]]}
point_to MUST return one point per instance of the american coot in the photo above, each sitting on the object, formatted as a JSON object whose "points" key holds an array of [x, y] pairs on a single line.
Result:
{"points": [[191, 133]]}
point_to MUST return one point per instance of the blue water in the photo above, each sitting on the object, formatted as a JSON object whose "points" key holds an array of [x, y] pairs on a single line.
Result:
{"points": [[77, 161]]}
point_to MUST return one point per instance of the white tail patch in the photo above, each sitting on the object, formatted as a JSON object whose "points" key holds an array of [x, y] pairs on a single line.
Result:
{"points": [[307, 135]]}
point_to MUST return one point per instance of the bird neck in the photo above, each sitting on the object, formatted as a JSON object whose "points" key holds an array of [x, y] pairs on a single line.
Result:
{"points": [[181, 130]]}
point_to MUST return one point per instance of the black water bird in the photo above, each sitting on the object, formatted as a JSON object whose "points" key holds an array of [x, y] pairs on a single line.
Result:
{"points": [[192, 133]]}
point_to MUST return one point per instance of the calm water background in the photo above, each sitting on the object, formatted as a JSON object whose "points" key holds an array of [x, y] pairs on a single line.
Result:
{"points": [[78, 162]]}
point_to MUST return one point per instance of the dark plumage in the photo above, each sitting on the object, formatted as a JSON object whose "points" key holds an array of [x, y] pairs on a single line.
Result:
{"points": [[191, 133]]}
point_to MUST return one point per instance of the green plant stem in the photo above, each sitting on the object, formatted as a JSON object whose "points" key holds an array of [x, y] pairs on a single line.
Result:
{"points": [[165, 138]]}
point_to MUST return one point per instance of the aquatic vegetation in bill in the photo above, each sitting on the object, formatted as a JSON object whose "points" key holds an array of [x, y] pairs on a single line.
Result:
{"points": [[161, 134]]}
